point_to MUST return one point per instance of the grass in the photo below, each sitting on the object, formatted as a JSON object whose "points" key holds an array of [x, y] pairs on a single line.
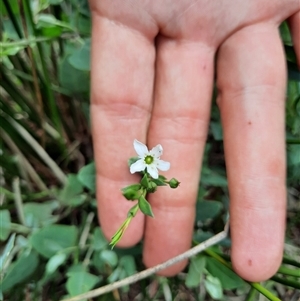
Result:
{"points": [[51, 244]]}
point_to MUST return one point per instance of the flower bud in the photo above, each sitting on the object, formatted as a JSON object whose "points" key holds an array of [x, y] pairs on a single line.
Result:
{"points": [[173, 183], [151, 187], [132, 192]]}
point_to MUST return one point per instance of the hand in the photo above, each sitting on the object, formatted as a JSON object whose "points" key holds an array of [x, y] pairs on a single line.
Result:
{"points": [[152, 78]]}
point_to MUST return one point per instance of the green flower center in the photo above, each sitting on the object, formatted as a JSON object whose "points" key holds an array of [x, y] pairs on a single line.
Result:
{"points": [[148, 159]]}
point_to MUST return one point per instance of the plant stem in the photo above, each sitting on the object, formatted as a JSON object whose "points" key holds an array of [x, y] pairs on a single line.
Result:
{"points": [[13, 18], [286, 271], [288, 282]]}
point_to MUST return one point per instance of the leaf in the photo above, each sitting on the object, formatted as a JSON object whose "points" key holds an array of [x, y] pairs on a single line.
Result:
{"points": [[72, 79], [54, 262], [229, 279], [208, 210], [196, 268], [87, 176], [54, 238], [128, 264], [99, 241], [109, 257], [80, 58], [216, 129], [80, 282], [21, 269], [145, 207], [40, 214], [72, 193], [213, 287], [4, 224], [211, 177]]}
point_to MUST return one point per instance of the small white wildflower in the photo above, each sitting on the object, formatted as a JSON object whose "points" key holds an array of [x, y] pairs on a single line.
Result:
{"points": [[149, 159]]}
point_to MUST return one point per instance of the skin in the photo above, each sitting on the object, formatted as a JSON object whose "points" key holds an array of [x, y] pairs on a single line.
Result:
{"points": [[153, 65]]}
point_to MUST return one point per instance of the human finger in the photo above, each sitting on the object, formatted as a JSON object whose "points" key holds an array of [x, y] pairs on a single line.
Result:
{"points": [[251, 83], [183, 86], [121, 99]]}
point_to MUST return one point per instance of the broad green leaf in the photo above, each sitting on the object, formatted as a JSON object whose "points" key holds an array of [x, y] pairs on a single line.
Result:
{"points": [[4, 224], [80, 282], [229, 279], [80, 58], [208, 210], [128, 264], [40, 214], [21, 269], [145, 207], [211, 177], [109, 257], [87, 176], [213, 287], [72, 79], [196, 268], [72, 193], [47, 20], [55, 261], [99, 242], [54, 238]]}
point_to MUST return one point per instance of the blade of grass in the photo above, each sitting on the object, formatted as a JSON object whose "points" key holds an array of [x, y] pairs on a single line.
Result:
{"points": [[25, 163], [13, 18], [18, 200], [56, 118], [39, 150]]}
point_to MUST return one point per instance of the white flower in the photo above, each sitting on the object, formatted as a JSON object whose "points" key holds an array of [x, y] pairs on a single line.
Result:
{"points": [[149, 159]]}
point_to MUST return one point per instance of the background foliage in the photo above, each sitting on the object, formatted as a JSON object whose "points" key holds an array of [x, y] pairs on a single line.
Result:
{"points": [[51, 244]]}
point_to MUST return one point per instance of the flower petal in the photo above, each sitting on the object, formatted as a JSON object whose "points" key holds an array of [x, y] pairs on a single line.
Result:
{"points": [[152, 170], [157, 151], [139, 165], [140, 148], [163, 165]]}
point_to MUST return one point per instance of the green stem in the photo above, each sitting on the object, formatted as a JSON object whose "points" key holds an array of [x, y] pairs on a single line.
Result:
{"points": [[251, 295], [19, 228], [288, 282], [290, 261], [286, 271]]}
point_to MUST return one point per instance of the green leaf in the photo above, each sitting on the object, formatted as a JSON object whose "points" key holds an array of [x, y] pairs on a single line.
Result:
{"points": [[196, 268], [211, 177], [145, 207], [87, 176], [213, 287], [229, 279], [54, 238], [216, 129], [145, 181], [72, 79], [21, 269], [99, 241], [72, 193], [80, 58], [109, 257], [128, 264], [4, 224], [40, 214], [80, 282], [208, 210], [55, 261]]}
